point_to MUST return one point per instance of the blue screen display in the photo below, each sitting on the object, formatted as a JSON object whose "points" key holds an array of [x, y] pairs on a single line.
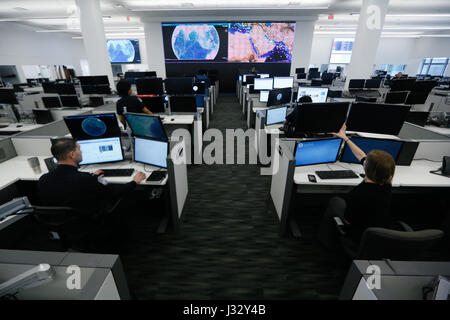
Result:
{"points": [[124, 50], [146, 126], [314, 152], [276, 115], [367, 145]]}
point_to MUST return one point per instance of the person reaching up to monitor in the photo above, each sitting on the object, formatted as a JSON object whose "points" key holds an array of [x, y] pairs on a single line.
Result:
{"points": [[368, 204], [128, 101]]}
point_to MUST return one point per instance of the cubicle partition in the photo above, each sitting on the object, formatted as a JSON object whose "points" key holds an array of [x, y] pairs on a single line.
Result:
{"points": [[7, 150], [413, 131]]}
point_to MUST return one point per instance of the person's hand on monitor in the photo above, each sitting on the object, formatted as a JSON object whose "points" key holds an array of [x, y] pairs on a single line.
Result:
{"points": [[99, 172], [139, 177], [341, 134]]}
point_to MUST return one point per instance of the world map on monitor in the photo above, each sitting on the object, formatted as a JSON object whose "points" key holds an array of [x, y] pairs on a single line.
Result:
{"points": [[195, 42]]}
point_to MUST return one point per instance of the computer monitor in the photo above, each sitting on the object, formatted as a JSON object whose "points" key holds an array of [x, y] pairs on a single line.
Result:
{"points": [[276, 115], [321, 117], [94, 80], [356, 84], [283, 82], [326, 81], [299, 70], [93, 126], [179, 85], [96, 101], [316, 82], [316, 94], [240, 78], [264, 75], [313, 75], [313, 69], [419, 118], [392, 147], [199, 87], [263, 96], [402, 84], [396, 97], [101, 150], [49, 87], [279, 97], [316, 151], [65, 88], [149, 86], [42, 116], [186, 104], [372, 83], [263, 84], [249, 79], [70, 101], [417, 97], [301, 76], [377, 118], [96, 89], [8, 96], [424, 85], [148, 126], [51, 102], [154, 104], [152, 152]]}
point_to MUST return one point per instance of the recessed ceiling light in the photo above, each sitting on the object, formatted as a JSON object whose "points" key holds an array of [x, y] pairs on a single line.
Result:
{"points": [[118, 5], [187, 4], [20, 9]]}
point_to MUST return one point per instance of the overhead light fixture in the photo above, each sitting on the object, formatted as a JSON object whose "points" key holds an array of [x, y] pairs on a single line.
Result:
{"points": [[79, 30], [187, 5], [42, 18], [20, 9]]}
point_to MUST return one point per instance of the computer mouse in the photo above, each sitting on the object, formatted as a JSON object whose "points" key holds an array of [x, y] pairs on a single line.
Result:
{"points": [[172, 119]]}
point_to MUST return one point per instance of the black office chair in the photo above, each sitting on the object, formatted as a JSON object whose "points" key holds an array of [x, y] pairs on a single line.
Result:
{"points": [[382, 243]]}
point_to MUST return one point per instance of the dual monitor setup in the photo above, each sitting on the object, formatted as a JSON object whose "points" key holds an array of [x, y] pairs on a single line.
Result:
{"points": [[170, 86], [99, 138]]}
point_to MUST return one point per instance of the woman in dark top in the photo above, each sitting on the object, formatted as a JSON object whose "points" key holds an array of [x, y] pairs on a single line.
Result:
{"points": [[368, 204], [131, 103]]}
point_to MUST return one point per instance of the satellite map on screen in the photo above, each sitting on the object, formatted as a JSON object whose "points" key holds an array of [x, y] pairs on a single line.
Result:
{"points": [[124, 51], [260, 42], [195, 42]]}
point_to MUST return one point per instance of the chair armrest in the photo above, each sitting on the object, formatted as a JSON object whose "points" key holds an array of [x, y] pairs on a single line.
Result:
{"points": [[339, 225], [405, 226]]}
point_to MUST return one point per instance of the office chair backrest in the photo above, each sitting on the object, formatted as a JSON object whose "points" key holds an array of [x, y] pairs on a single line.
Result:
{"points": [[381, 243]]}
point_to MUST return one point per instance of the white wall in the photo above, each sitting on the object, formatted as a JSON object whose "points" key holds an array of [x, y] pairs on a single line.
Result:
{"points": [[21, 45]]}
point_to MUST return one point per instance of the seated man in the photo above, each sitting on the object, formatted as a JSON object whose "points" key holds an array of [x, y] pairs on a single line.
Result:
{"points": [[368, 204], [89, 193], [127, 100]]}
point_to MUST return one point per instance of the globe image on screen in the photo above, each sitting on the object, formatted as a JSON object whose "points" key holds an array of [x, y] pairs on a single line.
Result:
{"points": [[279, 96], [121, 51], [93, 127], [195, 42]]}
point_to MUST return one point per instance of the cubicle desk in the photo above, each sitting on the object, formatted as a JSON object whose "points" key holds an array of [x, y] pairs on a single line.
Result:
{"points": [[290, 182], [437, 100], [102, 275], [399, 280], [440, 130]]}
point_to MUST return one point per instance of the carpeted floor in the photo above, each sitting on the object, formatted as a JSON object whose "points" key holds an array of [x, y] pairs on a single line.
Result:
{"points": [[229, 247]]}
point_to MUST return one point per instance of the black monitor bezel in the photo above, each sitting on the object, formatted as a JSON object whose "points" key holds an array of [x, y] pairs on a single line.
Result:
{"points": [[150, 164], [312, 140], [150, 116], [92, 116], [371, 138], [183, 96], [51, 97]]}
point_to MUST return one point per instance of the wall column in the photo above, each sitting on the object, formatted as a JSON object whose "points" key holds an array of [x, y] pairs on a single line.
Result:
{"points": [[301, 54], [155, 47]]}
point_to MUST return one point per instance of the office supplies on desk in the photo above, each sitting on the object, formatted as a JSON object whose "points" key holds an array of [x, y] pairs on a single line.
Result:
{"points": [[336, 174], [122, 172]]}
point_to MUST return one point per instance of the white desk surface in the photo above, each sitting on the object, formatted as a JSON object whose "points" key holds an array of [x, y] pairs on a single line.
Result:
{"points": [[416, 175], [33, 89], [273, 129], [177, 118], [18, 169], [344, 99], [21, 127], [256, 109]]}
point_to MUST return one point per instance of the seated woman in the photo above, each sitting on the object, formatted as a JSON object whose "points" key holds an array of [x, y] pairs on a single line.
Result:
{"points": [[368, 204]]}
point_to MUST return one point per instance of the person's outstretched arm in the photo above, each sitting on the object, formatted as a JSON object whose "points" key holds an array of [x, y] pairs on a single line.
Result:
{"points": [[359, 154]]}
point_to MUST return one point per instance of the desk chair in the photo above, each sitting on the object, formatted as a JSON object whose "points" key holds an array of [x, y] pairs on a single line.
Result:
{"points": [[382, 243]]}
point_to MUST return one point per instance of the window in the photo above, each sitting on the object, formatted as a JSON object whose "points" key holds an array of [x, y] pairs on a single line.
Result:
{"points": [[433, 66]]}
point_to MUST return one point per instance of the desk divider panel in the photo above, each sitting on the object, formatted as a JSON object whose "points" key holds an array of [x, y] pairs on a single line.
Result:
{"points": [[412, 131], [178, 183], [282, 184], [7, 150], [56, 128], [433, 150], [259, 126], [32, 146]]}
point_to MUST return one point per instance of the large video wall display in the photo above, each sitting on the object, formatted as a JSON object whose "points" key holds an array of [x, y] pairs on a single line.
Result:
{"points": [[247, 42]]}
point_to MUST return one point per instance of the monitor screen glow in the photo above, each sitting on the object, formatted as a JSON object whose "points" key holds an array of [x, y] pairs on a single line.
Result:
{"points": [[316, 94], [263, 96], [101, 150], [276, 115], [283, 82], [315, 152], [263, 84], [150, 152]]}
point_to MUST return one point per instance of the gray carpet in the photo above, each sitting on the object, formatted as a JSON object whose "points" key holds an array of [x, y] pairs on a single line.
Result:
{"points": [[229, 247]]}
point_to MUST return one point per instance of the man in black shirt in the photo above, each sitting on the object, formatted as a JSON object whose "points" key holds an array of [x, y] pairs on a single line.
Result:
{"points": [[368, 204], [89, 193], [131, 103]]}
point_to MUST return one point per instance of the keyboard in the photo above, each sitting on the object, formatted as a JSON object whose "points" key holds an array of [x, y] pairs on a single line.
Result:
{"points": [[157, 176], [118, 172], [337, 174]]}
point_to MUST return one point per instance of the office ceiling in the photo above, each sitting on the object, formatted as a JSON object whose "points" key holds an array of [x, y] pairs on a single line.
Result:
{"points": [[122, 18]]}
